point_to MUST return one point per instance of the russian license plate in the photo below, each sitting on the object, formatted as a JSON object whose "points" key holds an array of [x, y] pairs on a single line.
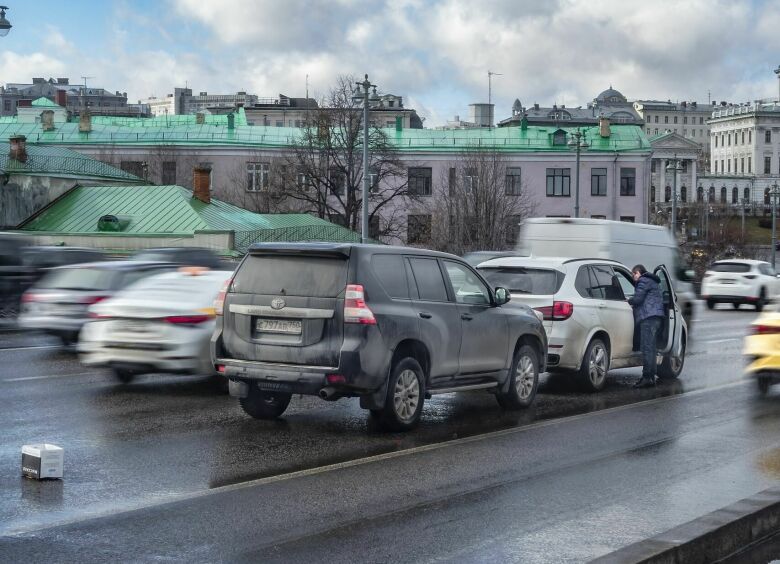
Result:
{"points": [[65, 309], [134, 326], [287, 326], [727, 280]]}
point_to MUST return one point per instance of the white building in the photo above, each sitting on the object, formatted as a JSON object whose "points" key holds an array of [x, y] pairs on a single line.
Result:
{"points": [[182, 101]]}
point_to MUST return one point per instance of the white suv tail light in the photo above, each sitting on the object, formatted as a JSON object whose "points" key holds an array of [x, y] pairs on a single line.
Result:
{"points": [[219, 303], [355, 308]]}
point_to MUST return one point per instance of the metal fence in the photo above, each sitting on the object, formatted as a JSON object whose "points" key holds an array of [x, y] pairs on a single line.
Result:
{"points": [[321, 233]]}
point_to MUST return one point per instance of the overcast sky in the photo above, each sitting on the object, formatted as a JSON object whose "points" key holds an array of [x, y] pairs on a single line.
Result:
{"points": [[434, 53]]}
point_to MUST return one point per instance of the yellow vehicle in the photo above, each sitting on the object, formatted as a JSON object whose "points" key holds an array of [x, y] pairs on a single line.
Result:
{"points": [[762, 349]]}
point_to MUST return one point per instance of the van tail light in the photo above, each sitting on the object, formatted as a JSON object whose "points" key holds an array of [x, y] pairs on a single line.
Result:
{"points": [[355, 308], [559, 311], [187, 319], [219, 303], [765, 329]]}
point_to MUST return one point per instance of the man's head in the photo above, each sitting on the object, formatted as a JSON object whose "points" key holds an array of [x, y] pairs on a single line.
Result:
{"points": [[638, 271]]}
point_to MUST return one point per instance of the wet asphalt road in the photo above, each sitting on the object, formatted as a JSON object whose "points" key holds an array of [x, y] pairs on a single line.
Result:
{"points": [[667, 456]]}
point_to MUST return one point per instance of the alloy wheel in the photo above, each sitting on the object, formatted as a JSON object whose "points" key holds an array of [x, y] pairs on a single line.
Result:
{"points": [[597, 365], [406, 395], [525, 376]]}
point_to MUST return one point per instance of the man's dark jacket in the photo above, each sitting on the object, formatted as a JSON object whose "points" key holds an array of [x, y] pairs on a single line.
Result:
{"points": [[647, 301]]}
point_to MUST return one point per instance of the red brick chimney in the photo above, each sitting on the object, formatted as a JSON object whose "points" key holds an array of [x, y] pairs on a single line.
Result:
{"points": [[18, 150], [201, 184], [62, 98]]}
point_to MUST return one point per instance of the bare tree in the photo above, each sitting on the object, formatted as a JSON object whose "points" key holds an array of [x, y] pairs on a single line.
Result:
{"points": [[324, 169], [482, 203]]}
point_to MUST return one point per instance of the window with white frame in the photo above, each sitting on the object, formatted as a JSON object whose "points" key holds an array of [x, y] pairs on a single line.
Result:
{"points": [[258, 177], [470, 180]]}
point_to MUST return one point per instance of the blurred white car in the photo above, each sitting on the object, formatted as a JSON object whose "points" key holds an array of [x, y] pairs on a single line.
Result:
{"points": [[738, 281], [160, 324]]}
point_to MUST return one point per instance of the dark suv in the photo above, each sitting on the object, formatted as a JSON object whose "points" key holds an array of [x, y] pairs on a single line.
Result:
{"points": [[390, 325]]}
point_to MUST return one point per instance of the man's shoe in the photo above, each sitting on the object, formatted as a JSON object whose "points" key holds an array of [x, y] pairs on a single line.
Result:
{"points": [[645, 383]]}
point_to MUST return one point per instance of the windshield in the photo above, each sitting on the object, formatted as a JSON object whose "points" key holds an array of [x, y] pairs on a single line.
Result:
{"points": [[523, 280], [78, 279], [730, 267]]}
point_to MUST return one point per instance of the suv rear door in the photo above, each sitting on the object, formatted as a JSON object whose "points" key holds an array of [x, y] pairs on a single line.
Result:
{"points": [[287, 307], [616, 314], [440, 323]]}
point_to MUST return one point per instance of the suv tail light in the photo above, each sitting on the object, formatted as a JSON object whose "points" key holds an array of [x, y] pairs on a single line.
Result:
{"points": [[92, 300], [559, 311], [28, 297], [219, 303], [764, 330], [355, 308]]}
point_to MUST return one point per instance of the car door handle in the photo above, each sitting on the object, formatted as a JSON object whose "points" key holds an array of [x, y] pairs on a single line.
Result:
{"points": [[466, 317], [425, 315], [602, 304]]}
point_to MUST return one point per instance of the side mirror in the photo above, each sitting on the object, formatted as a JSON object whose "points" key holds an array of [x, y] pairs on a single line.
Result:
{"points": [[502, 296]]}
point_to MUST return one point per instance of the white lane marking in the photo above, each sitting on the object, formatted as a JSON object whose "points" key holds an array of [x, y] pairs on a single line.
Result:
{"points": [[26, 378], [30, 348], [35, 527], [717, 341]]}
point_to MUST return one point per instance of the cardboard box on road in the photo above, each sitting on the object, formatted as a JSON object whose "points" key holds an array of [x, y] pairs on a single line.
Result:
{"points": [[42, 461]]}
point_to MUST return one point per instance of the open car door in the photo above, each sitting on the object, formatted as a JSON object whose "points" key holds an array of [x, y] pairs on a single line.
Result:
{"points": [[670, 335]]}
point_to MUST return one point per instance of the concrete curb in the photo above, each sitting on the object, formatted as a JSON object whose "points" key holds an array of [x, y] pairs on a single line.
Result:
{"points": [[709, 538]]}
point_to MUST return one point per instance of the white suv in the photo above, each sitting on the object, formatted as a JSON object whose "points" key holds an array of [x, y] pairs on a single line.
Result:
{"points": [[738, 281], [589, 323]]}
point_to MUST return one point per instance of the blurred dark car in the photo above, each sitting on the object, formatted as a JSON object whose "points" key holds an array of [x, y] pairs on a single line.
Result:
{"points": [[14, 275], [476, 258], [57, 304], [183, 256], [40, 258]]}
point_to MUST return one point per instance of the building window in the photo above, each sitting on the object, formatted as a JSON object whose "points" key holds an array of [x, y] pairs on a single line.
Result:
{"points": [[512, 183], [675, 119], [684, 167], [767, 164], [470, 181], [598, 217], [716, 167], [750, 136], [747, 194], [734, 195], [668, 194], [135, 168], [598, 182], [716, 141], [666, 119], [420, 181], [302, 181], [683, 194], [168, 173], [656, 121], [743, 136], [656, 131], [685, 119], [766, 196], [723, 195], [279, 123], [648, 131], [722, 166], [728, 140], [767, 136], [373, 179], [418, 229], [728, 164], [701, 121], [258, 177], [338, 182], [699, 194], [750, 165], [559, 182], [628, 182], [711, 195], [652, 165], [648, 119], [627, 218], [652, 193], [742, 165]]}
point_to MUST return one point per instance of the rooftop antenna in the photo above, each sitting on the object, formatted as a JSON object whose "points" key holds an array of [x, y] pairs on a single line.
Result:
{"points": [[491, 74], [84, 93], [307, 100]]}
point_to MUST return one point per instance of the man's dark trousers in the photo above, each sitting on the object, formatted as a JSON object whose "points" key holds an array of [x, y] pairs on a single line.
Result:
{"points": [[649, 329]]}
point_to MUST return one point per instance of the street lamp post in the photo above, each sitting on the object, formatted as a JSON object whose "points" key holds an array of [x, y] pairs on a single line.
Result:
{"points": [[774, 193], [578, 144], [366, 86], [674, 166]]}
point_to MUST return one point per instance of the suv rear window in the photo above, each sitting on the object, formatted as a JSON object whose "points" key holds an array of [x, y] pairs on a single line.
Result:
{"points": [[730, 267], [522, 280], [78, 279], [312, 276]]}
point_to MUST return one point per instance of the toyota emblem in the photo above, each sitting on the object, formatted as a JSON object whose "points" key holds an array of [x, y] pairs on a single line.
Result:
{"points": [[278, 303]]}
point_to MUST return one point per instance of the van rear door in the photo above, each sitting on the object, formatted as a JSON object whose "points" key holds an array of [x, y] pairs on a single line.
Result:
{"points": [[286, 306]]}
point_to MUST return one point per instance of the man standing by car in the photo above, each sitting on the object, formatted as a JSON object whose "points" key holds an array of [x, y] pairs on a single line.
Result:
{"points": [[648, 307]]}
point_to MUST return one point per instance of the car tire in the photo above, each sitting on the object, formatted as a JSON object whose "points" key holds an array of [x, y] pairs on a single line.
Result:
{"points": [[405, 397], [710, 304], [672, 367], [595, 366], [123, 375], [761, 301], [523, 380], [763, 385], [260, 404]]}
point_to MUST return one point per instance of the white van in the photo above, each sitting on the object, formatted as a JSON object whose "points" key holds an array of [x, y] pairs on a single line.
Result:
{"points": [[627, 243]]}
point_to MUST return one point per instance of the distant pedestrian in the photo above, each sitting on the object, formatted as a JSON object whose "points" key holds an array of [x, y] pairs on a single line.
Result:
{"points": [[648, 307]]}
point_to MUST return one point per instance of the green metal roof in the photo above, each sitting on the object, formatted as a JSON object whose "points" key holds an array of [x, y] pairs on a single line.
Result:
{"points": [[171, 210], [60, 161], [183, 130], [44, 102]]}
